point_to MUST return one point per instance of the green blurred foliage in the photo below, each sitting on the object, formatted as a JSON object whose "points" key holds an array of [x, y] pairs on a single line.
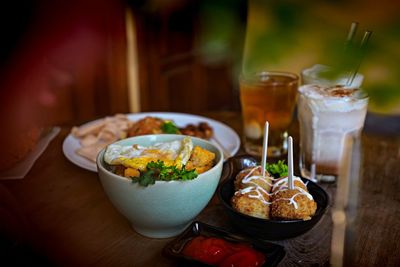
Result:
{"points": [[291, 35], [222, 30], [269, 44]]}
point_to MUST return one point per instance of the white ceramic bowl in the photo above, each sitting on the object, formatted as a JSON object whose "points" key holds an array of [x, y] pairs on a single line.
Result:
{"points": [[166, 208]]}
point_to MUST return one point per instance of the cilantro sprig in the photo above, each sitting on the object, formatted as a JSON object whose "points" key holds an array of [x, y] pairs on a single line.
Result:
{"points": [[157, 171], [277, 170], [169, 127]]}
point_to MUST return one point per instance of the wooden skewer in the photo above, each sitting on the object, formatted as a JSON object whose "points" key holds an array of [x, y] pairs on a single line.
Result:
{"points": [[290, 163], [265, 148]]}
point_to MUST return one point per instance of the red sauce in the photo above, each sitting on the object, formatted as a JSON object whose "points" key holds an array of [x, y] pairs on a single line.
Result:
{"points": [[221, 253]]}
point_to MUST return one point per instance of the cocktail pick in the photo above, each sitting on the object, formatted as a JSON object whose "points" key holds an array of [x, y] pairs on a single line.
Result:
{"points": [[290, 163], [265, 148]]}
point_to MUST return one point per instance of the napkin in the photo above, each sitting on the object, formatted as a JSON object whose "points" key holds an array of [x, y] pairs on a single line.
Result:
{"points": [[20, 170]]}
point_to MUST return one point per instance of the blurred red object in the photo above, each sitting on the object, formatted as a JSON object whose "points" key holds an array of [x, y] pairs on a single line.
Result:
{"points": [[64, 39], [218, 252]]}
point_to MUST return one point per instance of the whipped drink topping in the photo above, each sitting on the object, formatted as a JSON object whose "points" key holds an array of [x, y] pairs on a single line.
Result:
{"points": [[336, 98]]}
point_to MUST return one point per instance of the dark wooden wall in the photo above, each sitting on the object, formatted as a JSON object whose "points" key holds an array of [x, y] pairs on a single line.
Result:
{"points": [[63, 62], [173, 73], [69, 62]]}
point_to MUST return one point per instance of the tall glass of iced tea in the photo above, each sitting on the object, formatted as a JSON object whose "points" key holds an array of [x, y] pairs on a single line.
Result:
{"points": [[267, 96]]}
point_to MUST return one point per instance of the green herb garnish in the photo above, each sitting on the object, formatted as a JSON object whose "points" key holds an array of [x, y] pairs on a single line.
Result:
{"points": [[169, 128], [277, 170], [157, 171]]}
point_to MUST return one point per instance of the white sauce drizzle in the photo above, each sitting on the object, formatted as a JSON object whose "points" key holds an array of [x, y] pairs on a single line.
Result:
{"points": [[291, 200], [278, 185], [255, 191]]}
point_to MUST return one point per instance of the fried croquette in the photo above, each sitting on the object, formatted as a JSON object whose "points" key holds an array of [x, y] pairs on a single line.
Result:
{"points": [[271, 198], [200, 159], [282, 183], [252, 177], [292, 204], [248, 205]]}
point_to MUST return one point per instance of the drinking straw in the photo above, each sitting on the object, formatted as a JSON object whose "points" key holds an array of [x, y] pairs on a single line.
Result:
{"points": [[362, 50], [351, 35], [290, 163], [265, 148]]}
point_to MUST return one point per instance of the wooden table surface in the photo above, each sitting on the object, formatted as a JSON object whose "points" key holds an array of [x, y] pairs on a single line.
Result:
{"points": [[61, 213]]}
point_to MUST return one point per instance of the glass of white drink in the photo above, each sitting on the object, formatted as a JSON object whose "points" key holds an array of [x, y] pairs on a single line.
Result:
{"points": [[327, 115]]}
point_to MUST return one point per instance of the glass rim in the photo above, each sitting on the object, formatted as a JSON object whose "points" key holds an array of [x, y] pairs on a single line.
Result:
{"points": [[361, 95], [251, 77]]}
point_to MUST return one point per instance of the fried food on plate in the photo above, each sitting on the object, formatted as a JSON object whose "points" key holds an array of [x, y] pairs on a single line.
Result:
{"points": [[202, 130], [147, 125], [252, 202], [282, 184], [252, 177], [96, 135], [252, 195], [267, 197], [292, 204]]}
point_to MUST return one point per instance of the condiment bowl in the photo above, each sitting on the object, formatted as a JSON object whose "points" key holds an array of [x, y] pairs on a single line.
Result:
{"points": [[165, 208], [269, 229], [274, 253]]}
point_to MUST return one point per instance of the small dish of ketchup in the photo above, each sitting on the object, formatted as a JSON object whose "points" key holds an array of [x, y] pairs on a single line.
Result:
{"points": [[219, 252], [205, 245]]}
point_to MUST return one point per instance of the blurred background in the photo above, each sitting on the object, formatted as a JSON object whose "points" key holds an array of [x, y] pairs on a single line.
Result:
{"points": [[67, 62]]}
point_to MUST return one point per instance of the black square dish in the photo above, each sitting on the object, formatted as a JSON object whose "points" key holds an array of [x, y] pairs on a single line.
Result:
{"points": [[269, 229], [274, 253]]}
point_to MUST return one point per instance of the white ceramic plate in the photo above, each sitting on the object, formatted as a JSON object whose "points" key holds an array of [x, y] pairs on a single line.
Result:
{"points": [[224, 136]]}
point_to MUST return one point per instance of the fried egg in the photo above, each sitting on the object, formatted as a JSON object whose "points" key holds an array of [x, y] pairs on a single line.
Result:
{"points": [[135, 156]]}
